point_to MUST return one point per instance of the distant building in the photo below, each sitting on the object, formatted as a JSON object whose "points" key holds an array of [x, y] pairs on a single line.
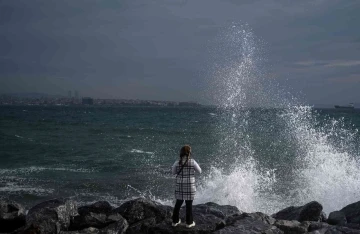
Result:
{"points": [[76, 94], [69, 94], [87, 101], [189, 104]]}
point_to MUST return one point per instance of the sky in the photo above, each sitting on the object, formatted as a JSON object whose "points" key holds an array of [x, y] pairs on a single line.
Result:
{"points": [[167, 49]]}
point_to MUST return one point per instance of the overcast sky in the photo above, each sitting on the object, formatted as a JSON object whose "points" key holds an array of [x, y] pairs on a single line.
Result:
{"points": [[164, 49]]}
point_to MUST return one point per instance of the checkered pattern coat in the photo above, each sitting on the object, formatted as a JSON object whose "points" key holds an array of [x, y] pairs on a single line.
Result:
{"points": [[185, 182]]}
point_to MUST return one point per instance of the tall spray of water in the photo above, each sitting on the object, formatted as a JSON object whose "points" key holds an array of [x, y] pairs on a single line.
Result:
{"points": [[273, 152]]}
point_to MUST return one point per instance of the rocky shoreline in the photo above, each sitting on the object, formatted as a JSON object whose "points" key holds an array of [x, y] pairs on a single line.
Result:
{"points": [[146, 216]]}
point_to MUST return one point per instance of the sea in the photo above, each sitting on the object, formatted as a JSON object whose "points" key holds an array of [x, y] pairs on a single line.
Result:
{"points": [[263, 160], [260, 147]]}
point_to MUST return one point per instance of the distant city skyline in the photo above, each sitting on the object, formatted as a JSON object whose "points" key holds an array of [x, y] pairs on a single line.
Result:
{"points": [[180, 50]]}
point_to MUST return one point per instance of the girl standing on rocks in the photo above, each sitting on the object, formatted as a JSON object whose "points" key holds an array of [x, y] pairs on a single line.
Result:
{"points": [[184, 169]]}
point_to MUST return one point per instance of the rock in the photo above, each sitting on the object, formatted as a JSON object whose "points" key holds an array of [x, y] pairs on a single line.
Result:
{"points": [[337, 218], [352, 212], [323, 217], [139, 209], [50, 216], [317, 226], [249, 223], [309, 212], [205, 223], [141, 226], [100, 207], [220, 211], [256, 216], [119, 227], [12, 216], [293, 226], [335, 230], [80, 222], [352, 225], [97, 220], [89, 230]]}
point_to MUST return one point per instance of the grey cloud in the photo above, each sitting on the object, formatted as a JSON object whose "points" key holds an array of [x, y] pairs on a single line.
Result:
{"points": [[153, 46]]}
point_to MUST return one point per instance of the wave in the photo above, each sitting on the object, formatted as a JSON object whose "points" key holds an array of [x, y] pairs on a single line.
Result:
{"points": [[35, 169], [15, 188], [321, 165], [141, 152]]}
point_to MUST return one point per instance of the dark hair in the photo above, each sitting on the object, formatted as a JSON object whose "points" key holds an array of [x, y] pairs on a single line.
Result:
{"points": [[184, 151]]}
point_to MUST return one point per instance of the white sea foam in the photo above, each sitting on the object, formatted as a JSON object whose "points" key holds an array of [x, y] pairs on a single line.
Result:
{"points": [[325, 170], [18, 136], [140, 151], [15, 188], [35, 169]]}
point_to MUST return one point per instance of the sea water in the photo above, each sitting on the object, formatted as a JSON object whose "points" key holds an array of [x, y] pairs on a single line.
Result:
{"points": [[260, 149]]}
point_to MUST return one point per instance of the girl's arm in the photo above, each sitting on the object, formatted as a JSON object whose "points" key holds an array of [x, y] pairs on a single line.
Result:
{"points": [[197, 167], [173, 169]]}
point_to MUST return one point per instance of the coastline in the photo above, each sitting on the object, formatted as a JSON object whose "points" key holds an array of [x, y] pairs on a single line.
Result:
{"points": [[141, 215]]}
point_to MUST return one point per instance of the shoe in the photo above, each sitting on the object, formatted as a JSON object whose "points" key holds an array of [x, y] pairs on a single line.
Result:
{"points": [[175, 224], [190, 225]]}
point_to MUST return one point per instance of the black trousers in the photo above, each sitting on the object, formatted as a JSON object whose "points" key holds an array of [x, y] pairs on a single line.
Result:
{"points": [[189, 216]]}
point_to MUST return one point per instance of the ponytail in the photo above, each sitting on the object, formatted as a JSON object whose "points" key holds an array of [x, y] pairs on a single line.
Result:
{"points": [[184, 151]]}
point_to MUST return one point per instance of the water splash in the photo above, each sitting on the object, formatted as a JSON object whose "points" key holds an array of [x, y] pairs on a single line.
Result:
{"points": [[318, 163]]}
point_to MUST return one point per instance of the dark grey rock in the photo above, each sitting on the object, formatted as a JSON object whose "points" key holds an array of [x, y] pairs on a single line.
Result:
{"points": [[230, 220], [335, 230], [322, 228], [141, 226], [80, 222], [205, 223], [12, 216], [323, 217], [50, 216], [248, 223], [119, 227], [352, 212], [337, 218], [97, 220], [292, 227], [139, 209], [309, 212], [220, 211], [317, 226], [100, 207], [89, 230], [352, 225]]}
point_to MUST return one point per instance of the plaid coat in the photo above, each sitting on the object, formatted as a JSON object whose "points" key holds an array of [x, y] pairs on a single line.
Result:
{"points": [[185, 182]]}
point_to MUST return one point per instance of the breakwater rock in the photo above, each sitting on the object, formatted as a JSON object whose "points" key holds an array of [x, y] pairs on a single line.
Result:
{"points": [[62, 216]]}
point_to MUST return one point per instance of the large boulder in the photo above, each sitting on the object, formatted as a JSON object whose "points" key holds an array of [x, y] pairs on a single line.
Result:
{"points": [[293, 226], [139, 209], [220, 211], [208, 217], [249, 223], [95, 220], [100, 207], [142, 226], [95, 215], [311, 211], [352, 212], [12, 216], [205, 223], [119, 227], [255, 216], [337, 218], [50, 216], [89, 230]]}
